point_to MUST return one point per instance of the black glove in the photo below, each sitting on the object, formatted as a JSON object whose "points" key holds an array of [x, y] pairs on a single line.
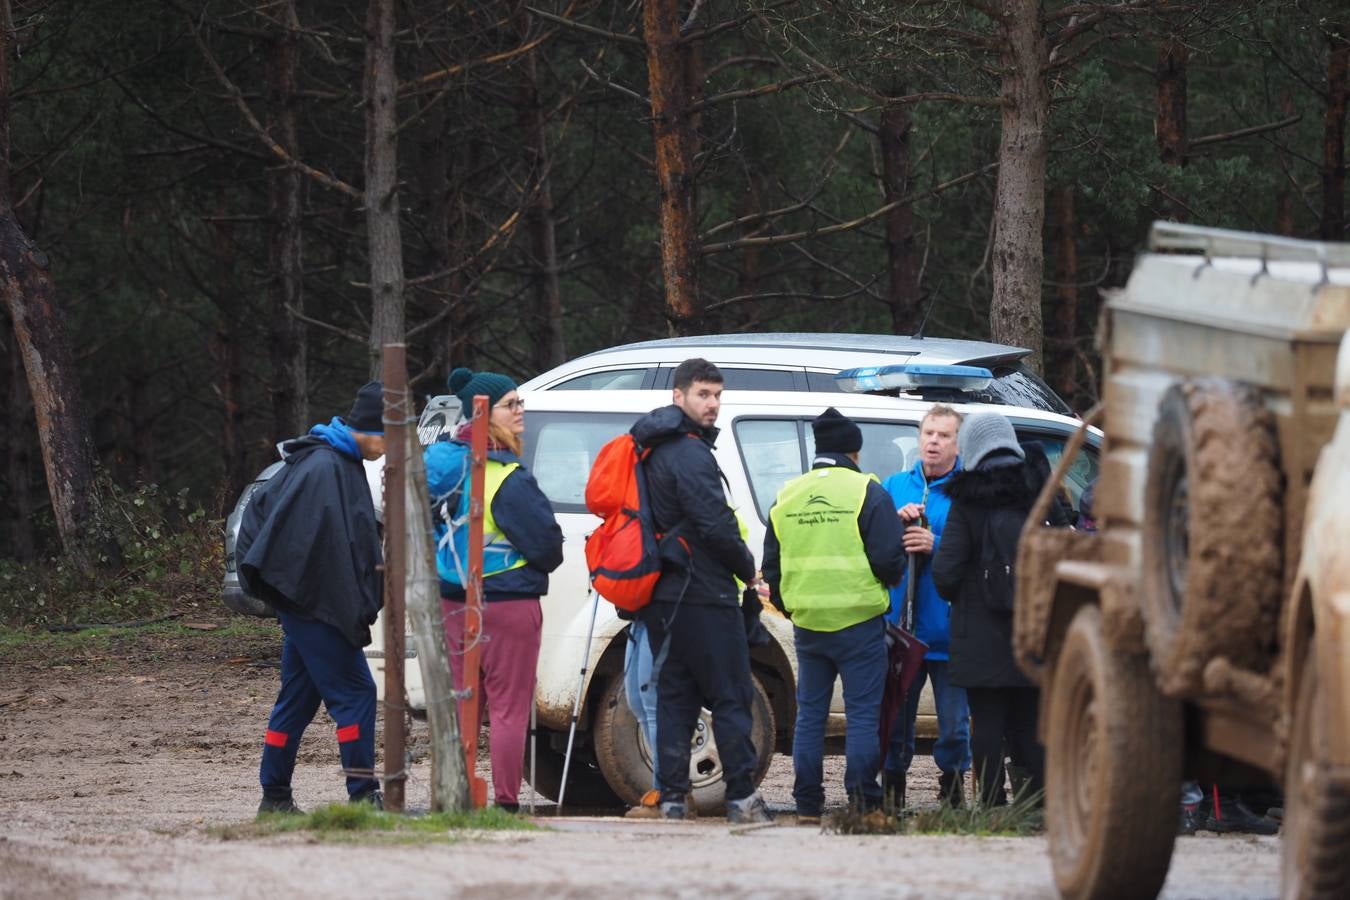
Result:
{"points": [[755, 632]]}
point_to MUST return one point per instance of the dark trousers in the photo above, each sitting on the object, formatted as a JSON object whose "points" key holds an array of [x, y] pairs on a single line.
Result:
{"points": [[707, 663], [857, 656], [318, 664], [1000, 718]]}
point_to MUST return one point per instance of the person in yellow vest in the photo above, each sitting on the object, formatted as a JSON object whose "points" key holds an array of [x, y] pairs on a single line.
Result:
{"points": [[522, 543], [833, 547]]}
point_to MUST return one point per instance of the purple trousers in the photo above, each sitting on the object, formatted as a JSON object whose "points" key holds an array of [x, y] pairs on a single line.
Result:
{"points": [[509, 651]]}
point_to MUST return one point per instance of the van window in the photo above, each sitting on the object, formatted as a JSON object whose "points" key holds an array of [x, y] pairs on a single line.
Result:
{"points": [[771, 450], [741, 378], [1085, 465], [560, 448], [888, 447], [611, 380]]}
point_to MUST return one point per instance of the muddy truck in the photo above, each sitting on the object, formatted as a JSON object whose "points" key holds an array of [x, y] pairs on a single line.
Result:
{"points": [[1203, 631]]}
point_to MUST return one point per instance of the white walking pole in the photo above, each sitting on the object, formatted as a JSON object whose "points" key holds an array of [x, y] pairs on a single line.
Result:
{"points": [[576, 703]]}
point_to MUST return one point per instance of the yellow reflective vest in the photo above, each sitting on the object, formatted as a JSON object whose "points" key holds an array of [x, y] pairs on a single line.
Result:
{"points": [[827, 583]]}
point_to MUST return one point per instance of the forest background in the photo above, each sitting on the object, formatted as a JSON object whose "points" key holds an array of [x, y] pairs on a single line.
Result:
{"points": [[213, 214]]}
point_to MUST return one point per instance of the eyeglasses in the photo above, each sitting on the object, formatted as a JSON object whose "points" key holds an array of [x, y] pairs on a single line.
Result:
{"points": [[511, 405]]}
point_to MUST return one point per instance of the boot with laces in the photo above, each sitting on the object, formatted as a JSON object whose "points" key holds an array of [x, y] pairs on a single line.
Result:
{"points": [[748, 811]]}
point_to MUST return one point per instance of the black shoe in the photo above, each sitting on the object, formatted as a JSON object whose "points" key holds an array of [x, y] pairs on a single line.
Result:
{"points": [[509, 807], [1235, 818], [950, 790], [278, 803], [374, 797], [893, 788]]}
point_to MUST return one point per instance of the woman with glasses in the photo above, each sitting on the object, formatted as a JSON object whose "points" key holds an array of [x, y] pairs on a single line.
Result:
{"points": [[522, 543]]}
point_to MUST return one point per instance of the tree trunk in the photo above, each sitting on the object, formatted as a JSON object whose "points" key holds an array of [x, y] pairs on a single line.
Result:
{"points": [[381, 193], [286, 285], [1019, 201], [1284, 194], [1333, 134], [1170, 127], [549, 348], [63, 430], [18, 498], [1061, 368], [903, 272], [672, 129]]}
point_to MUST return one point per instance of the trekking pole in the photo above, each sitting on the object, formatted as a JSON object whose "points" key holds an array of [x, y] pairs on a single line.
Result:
{"points": [[534, 742], [576, 702]]}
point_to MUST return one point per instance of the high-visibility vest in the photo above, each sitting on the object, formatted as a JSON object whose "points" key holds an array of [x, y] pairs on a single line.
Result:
{"points": [[498, 554], [827, 583]]}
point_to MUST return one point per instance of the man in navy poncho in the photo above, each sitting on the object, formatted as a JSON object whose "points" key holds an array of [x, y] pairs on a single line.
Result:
{"points": [[309, 546]]}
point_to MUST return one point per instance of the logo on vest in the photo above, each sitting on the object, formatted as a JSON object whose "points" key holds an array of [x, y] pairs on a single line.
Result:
{"points": [[818, 510]]}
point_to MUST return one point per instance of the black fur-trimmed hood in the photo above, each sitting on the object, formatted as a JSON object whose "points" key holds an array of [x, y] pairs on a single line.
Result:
{"points": [[1001, 485]]}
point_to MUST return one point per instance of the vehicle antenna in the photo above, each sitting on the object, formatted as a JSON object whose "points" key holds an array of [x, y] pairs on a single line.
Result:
{"points": [[918, 335]]}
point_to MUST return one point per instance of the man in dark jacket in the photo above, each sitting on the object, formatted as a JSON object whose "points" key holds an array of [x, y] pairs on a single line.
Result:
{"points": [[694, 622], [833, 547], [308, 545], [972, 569]]}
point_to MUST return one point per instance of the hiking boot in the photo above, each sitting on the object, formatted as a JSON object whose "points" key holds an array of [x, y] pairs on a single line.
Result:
{"points": [[808, 819], [877, 822], [279, 803], [649, 807], [748, 811], [1235, 818], [373, 797], [893, 788], [950, 790]]}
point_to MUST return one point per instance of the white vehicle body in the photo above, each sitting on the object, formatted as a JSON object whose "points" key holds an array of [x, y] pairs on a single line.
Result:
{"points": [[765, 440]]}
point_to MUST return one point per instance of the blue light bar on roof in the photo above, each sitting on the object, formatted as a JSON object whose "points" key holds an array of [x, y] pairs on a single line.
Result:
{"points": [[913, 377]]}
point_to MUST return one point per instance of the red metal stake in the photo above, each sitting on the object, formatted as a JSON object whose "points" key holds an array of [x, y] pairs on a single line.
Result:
{"points": [[470, 709]]}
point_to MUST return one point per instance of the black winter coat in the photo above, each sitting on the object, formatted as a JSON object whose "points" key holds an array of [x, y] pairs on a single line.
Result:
{"points": [[308, 542], [998, 494], [685, 490]]}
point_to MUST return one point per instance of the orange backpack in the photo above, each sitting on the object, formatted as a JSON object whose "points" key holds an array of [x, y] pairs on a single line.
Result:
{"points": [[623, 554]]}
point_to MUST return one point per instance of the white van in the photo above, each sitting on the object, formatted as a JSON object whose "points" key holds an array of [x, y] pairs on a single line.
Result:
{"points": [[766, 439]]}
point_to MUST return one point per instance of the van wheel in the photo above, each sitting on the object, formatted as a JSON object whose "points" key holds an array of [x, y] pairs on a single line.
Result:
{"points": [[1313, 862], [1212, 532], [625, 757], [1113, 769], [586, 787]]}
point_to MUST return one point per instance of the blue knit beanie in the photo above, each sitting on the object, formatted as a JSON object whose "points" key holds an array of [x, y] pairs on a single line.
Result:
{"points": [[466, 384]]}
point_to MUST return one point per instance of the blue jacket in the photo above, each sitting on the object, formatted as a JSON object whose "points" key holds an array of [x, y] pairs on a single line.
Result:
{"points": [[932, 614], [521, 511]]}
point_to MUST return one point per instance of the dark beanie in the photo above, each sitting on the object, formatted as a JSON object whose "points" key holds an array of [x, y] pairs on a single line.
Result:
{"points": [[466, 384], [367, 413], [836, 433]]}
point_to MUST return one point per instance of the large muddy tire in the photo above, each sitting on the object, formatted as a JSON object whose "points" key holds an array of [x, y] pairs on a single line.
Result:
{"points": [[586, 787], [625, 757], [1213, 520], [1315, 863], [1113, 769]]}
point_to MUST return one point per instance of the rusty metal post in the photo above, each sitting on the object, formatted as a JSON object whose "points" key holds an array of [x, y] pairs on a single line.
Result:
{"points": [[396, 412], [471, 710]]}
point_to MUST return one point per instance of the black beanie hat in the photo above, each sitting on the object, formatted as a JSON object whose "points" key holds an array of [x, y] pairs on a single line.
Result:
{"points": [[367, 413], [836, 433]]}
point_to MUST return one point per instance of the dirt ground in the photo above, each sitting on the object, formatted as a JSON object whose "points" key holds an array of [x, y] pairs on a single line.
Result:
{"points": [[117, 757]]}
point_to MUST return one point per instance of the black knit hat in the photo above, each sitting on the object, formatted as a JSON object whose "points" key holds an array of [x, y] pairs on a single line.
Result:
{"points": [[367, 413], [836, 433]]}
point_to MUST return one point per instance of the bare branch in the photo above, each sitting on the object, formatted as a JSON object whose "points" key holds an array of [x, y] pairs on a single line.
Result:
{"points": [[504, 56], [760, 91], [1242, 132], [588, 29], [278, 151], [875, 214]]}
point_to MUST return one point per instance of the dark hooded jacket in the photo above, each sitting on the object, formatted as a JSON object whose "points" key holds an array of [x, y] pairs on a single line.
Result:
{"points": [[685, 491], [990, 502], [308, 542]]}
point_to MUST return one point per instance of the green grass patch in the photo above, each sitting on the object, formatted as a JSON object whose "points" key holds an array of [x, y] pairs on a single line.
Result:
{"points": [[1021, 818], [232, 636], [358, 822]]}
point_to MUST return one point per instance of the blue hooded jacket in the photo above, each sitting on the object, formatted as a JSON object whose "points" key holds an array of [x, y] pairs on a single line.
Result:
{"points": [[932, 614]]}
